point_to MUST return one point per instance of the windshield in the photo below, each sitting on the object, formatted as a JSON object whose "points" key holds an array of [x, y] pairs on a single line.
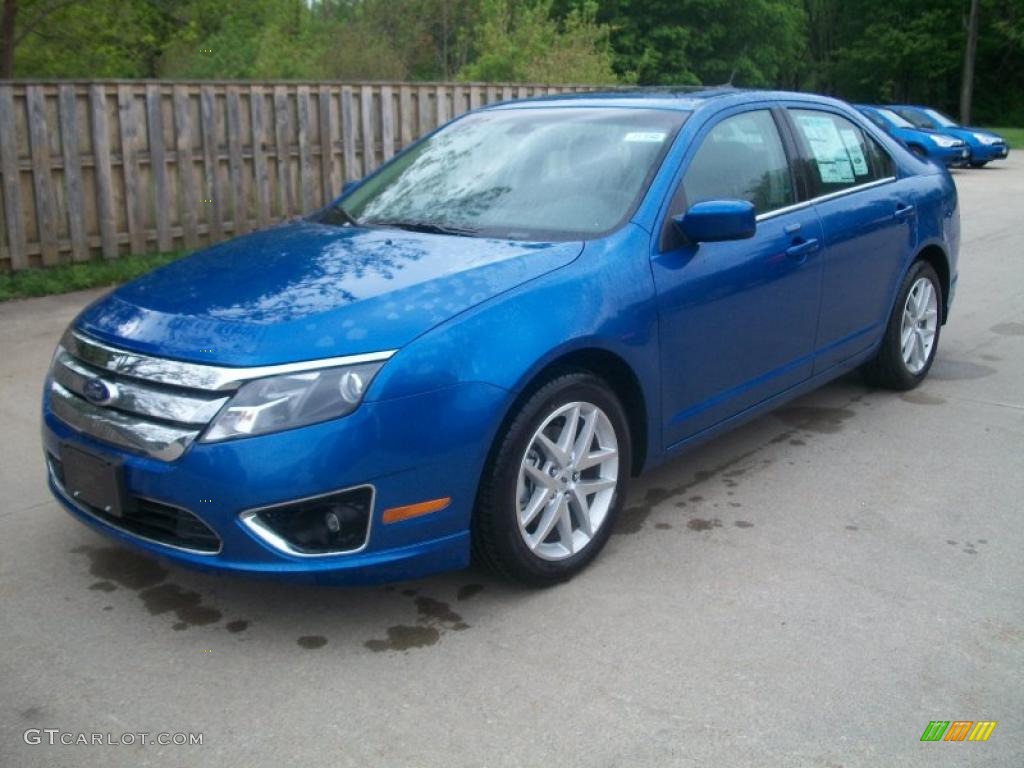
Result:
{"points": [[895, 119], [940, 118], [524, 174]]}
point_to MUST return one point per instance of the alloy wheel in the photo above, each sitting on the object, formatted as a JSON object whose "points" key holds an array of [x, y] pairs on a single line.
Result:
{"points": [[920, 323], [567, 480]]}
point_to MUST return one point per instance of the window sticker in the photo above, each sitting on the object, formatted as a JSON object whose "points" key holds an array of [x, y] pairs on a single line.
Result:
{"points": [[852, 142], [830, 153], [650, 137]]}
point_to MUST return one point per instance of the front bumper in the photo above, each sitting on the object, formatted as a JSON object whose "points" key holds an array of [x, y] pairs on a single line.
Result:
{"points": [[984, 153], [409, 450], [951, 155]]}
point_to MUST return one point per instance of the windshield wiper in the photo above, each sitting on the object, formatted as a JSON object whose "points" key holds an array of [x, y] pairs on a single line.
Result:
{"points": [[338, 216], [425, 226]]}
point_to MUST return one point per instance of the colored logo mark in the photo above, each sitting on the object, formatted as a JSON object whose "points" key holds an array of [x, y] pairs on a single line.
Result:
{"points": [[958, 730]]}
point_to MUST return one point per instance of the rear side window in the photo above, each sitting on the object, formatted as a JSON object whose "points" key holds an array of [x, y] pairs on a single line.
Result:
{"points": [[840, 154], [741, 159]]}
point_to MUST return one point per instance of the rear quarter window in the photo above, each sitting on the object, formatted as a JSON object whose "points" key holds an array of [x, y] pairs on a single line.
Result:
{"points": [[838, 154]]}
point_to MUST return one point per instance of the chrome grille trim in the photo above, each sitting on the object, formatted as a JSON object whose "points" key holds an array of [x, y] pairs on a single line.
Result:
{"points": [[133, 395], [160, 441], [159, 407], [194, 375]]}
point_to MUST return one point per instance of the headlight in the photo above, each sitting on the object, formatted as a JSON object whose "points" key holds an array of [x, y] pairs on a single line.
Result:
{"points": [[945, 141], [292, 400], [986, 138]]}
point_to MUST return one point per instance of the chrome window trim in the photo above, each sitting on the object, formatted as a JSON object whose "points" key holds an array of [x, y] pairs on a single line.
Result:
{"points": [[160, 441], [195, 375], [249, 520], [825, 198], [86, 511]]}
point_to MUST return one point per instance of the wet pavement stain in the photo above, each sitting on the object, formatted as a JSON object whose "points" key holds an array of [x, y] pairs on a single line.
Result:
{"points": [[187, 606], [434, 618], [852, 528], [735, 504], [991, 358], [236, 626], [951, 542], [663, 526], [922, 398], [814, 418], [632, 519], [1008, 329], [958, 370], [312, 642], [403, 638], [700, 524], [429, 608], [797, 442], [122, 566], [743, 524], [467, 591], [103, 586]]}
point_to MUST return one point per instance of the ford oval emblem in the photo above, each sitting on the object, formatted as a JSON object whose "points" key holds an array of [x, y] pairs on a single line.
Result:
{"points": [[99, 392]]}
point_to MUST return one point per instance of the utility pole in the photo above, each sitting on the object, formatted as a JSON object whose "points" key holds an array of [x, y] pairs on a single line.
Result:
{"points": [[970, 53]]}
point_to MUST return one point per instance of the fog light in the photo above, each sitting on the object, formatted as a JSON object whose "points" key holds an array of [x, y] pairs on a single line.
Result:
{"points": [[331, 524]]}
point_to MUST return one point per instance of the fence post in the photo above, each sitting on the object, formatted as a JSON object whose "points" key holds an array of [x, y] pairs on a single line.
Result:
{"points": [[72, 172], [12, 180], [42, 174]]}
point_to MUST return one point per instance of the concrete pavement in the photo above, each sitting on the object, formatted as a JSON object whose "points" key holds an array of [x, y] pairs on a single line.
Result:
{"points": [[810, 590]]}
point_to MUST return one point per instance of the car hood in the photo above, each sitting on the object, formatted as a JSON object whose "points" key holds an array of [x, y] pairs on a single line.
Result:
{"points": [[306, 290], [967, 134]]}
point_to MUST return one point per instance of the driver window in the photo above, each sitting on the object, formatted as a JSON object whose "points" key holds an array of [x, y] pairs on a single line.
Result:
{"points": [[742, 158]]}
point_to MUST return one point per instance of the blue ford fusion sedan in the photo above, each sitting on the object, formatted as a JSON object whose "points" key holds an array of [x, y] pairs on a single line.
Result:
{"points": [[924, 142], [474, 349], [985, 145]]}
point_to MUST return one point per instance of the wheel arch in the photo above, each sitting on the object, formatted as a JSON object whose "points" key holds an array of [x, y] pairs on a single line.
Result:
{"points": [[934, 255], [611, 368]]}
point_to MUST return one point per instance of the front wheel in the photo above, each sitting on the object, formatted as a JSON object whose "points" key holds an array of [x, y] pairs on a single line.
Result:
{"points": [[912, 335], [555, 483], [979, 164]]}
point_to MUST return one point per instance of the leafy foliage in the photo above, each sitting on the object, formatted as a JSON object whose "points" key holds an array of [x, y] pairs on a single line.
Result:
{"points": [[869, 50]]}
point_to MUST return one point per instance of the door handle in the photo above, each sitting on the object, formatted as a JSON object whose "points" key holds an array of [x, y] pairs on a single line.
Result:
{"points": [[904, 211], [801, 249]]}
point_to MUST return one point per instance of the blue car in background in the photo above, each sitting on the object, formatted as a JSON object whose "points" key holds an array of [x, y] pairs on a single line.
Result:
{"points": [[476, 347], [985, 145], [944, 149]]}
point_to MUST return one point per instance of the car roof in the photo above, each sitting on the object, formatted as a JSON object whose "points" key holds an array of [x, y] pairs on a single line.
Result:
{"points": [[681, 98]]}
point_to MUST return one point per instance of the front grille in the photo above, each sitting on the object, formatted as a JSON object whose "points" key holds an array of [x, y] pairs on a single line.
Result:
{"points": [[150, 519], [136, 408]]}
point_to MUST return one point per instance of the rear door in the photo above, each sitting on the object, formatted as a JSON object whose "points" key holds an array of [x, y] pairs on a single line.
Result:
{"points": [[868, 220], [737, 319]]}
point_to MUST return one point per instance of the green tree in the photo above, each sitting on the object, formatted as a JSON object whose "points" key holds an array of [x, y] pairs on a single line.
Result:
{"points": [[523, 42]]}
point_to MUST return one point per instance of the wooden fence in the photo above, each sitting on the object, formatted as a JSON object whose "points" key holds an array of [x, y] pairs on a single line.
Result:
{"points": [[116, 167]]}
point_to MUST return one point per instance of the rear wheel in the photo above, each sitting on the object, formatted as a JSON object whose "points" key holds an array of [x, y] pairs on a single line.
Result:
{"points": [[555, 484], [912, 335]]}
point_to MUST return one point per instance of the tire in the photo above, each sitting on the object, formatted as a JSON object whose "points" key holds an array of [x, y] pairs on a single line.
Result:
{"points": [[981, 164], [891, 368], [510, 489]]}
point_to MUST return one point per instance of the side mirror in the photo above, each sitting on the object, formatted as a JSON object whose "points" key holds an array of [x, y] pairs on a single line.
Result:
{"points": [[716, 220], [348, 186]]}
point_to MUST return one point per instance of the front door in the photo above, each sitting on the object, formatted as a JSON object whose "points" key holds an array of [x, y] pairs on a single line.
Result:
{"points": [[737, 319]]}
